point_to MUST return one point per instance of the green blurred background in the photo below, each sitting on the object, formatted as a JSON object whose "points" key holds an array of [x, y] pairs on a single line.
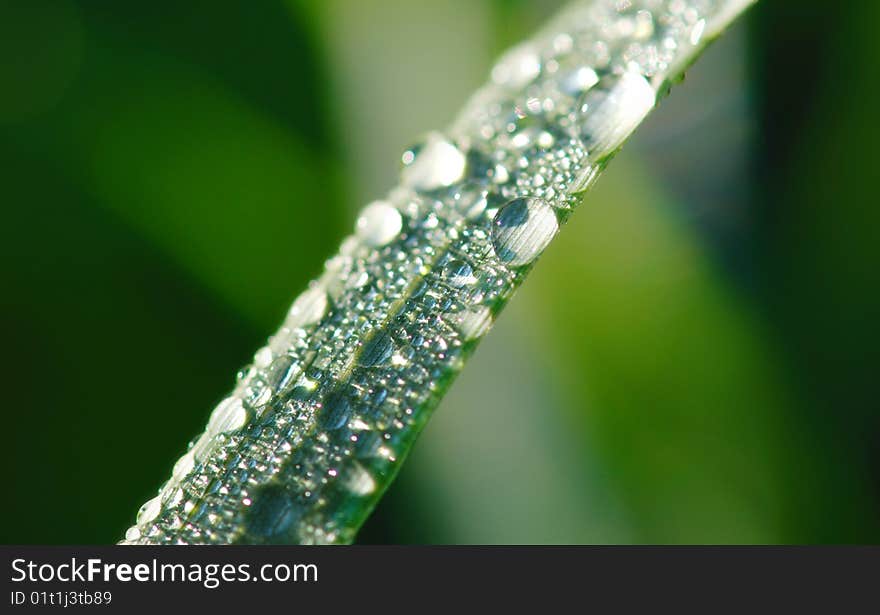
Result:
{"points": [[694, 360]]}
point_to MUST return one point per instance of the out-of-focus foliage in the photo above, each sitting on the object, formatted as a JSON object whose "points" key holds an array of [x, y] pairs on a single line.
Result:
{"points": [[694, 359]]}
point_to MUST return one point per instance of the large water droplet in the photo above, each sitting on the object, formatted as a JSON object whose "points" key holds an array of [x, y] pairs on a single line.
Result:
{"points": [[437, 164], [263, 357], [517, 67], [150, 510], [308, 308], [378, 224], [359, 481], [377, 350], [273, 512], [229, 415], [522, 229], [183, 466], [611, 116], [475, 323], [336, 410], [202, 446]]}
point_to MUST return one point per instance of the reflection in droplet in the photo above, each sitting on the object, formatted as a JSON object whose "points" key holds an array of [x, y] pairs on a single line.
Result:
{"points": [[378, 224], [522, 229], [437, 164]]}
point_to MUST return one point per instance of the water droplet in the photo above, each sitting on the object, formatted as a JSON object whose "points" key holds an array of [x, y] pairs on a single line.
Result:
{"points": [[263, 357], [359, 481], [475, 323], [282, 372], [611, 116], [579, 81], [644, 25], [517, 67], [202, 446], [436, 164], [378, 224], [272, 512], [470, 201], [183, 466], [458, 273], [172, 496], [522, 229], [697, 32], [377, 350], [230, 415], [500, 174], [336, 410], [150, 510], [308, 308]]}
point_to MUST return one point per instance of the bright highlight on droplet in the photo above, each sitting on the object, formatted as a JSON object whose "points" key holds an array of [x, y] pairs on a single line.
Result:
{"points": [[437, 164], [378, 224]]}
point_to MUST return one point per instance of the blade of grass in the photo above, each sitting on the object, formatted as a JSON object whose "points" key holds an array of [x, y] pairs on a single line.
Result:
{"points": [[317, 427]]}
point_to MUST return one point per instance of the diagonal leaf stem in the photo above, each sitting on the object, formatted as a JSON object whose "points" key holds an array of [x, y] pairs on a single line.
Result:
{"points": [[318, 425]]}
